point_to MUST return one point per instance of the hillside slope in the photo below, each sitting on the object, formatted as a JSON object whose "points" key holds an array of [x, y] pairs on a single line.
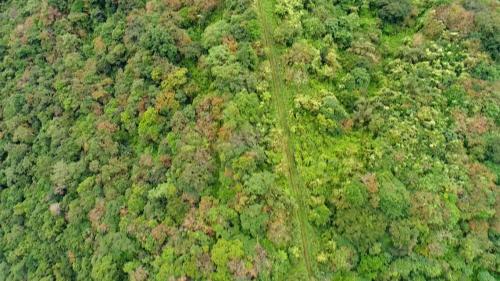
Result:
{"points": [[249, 140]]}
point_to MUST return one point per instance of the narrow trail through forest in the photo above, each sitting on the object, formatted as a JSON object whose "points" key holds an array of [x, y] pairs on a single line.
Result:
{"points": [[283, 106]]}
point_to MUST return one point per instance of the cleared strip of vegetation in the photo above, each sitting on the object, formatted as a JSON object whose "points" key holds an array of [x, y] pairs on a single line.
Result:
{"points": [[283, 106]]}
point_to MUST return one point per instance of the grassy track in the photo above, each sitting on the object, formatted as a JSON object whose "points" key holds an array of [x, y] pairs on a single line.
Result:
{"points": [[283, 104]]}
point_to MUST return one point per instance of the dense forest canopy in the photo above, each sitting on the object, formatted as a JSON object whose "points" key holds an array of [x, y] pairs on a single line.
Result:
{"points": [[249, 140]]}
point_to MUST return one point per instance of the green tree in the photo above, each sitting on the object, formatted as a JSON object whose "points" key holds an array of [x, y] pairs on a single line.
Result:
{"points": [[393, 11], [488, 27], [149, 127], [160, 42]]}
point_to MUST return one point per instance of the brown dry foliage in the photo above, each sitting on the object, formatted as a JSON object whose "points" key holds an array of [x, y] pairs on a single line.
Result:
{"points": [[206, 5], [166, 160], [175, 5], [21, 31], [277, 229], [456, 18], [55, 209], [209, 114], [95, 216], [166, 101], [160, 233], [142, 106], [204, 262], [195, 220], [146, 160], [231, 43], [365, 48], [139, 274], [479, 228], [107, 127], [425, 206], [470, 126], [370, 181], [99, 45], [240, 270], [71, 257], [182, 40], [347, 124], [478, 125]]}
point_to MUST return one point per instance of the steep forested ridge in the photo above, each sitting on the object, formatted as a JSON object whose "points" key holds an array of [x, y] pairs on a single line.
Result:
{"points": [[249, 140]]}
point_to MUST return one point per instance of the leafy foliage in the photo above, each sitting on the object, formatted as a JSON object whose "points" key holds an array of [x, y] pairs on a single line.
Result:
{"points": [[139, 140]]}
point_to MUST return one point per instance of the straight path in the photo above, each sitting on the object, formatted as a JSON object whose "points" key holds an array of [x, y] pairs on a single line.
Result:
{"points": [[283, 106]]}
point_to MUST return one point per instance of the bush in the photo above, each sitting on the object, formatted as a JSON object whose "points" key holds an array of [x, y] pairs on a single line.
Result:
{"points": [[485, 71], [393, 11], [394, 198], [488, 28], [159, 41]]}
